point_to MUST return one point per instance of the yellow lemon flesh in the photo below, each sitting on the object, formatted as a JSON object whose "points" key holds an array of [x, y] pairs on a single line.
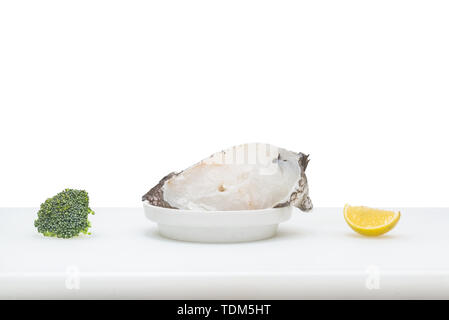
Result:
{"points": [[370, 222]]}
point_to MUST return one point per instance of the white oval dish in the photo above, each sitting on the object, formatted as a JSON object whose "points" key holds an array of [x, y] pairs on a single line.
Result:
{"points": [[217, 226]]}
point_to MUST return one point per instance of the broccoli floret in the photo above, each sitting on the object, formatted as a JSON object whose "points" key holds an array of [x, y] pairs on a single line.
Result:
{"points": [[65, 215]]}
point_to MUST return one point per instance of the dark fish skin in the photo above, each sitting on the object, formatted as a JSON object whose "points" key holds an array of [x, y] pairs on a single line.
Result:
{"points": [[300, 198], [156, 196]]}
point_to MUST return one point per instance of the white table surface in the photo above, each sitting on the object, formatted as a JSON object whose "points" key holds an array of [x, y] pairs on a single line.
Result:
{"points": [[314, 255]]}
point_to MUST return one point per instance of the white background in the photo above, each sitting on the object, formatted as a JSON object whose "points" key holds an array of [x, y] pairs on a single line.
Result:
{"points": [[110, 96]]}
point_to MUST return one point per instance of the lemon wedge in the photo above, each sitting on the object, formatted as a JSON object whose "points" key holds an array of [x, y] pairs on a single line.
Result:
{"points": [[370, 222]]}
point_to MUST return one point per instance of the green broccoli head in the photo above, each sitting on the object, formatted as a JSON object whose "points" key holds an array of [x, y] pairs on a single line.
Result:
{"points": [[65, 215]]}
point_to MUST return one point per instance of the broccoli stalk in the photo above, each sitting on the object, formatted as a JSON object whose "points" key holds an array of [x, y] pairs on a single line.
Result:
{"points": [[65, 215]]}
